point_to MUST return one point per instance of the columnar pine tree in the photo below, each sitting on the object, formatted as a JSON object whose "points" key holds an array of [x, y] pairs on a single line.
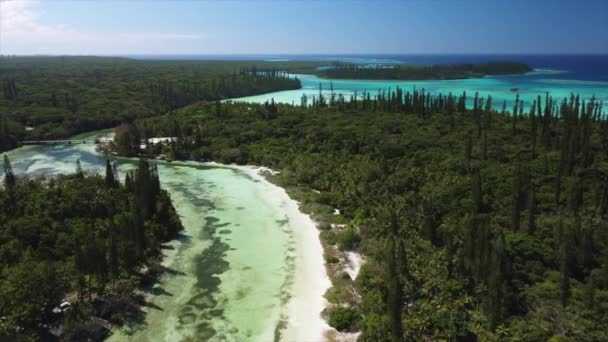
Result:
{"points": [[9, 176], [79, 171], [532, 212], [476, 190], [514, 114], [517, 193]]}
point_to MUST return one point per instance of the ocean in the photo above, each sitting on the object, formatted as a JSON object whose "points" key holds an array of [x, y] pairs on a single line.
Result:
{"points": [[556, 75]]}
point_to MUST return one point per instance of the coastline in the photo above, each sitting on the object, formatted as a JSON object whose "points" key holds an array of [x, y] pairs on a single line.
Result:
{"points": [[310, 306], [311, 281]]}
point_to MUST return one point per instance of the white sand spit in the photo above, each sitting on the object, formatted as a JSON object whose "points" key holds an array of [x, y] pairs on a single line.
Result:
{"points": [[353, 265], [310, 279]]}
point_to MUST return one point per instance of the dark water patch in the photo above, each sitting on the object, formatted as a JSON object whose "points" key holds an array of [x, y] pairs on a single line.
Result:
{"points": [[135, 322], [192, 195], [64, 153], [210, 264], [242, 292], [237, 224], [202, 202], [211, 227], [45, 171], [278, 329], [283, 222], [202, 301], [183, 238], [201, 310], [173, 271], [152, 306], [211, 219], [158, 291], [225, 231], [240, 208], [21, 165], [290, 259], [285, 291], [204, 331], [221, 225], [197, 166], [290, 265], [216, 312], [186, 318], [246, 175]]}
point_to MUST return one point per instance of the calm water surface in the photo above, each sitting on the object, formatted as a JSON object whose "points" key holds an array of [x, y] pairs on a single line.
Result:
{"points": [[239, 271], [559, 76]]}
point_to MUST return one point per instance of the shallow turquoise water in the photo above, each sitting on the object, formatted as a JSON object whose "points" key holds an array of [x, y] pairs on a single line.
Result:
{"points": [[529, 86], [248, 266]]}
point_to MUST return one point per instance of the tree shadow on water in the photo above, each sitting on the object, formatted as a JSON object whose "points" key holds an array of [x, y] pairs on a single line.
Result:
{"points": [[151, 305], [183, 238], [173, 272], [158, 291]]}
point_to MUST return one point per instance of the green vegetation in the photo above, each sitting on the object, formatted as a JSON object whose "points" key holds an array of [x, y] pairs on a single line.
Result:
{"points": [[11, 133], [62, 96], [58, 97], [84, 239], [347, 239], [413, 72], [476, 224], [343, 318]]}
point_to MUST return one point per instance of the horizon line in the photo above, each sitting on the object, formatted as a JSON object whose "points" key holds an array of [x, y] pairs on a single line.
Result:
{"points": [[309, 54]]}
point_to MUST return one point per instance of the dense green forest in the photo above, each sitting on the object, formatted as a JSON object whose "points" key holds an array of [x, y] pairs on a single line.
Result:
{"points": [[477, 224], [62, 96], [85, 239], [11, 132], [415, 72], [58, 97]]}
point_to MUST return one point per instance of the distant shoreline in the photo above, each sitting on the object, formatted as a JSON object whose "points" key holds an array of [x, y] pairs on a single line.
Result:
{"points": [[406, 72]]}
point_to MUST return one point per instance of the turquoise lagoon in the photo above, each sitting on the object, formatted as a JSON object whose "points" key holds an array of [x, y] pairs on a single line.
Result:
{"points": [[501, 88]]}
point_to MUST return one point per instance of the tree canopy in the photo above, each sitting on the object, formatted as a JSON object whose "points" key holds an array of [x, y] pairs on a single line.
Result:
{"points": [[476, 224], [79, 237]]}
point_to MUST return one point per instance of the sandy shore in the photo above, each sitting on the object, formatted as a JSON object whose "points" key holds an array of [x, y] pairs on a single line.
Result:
{"points": [[300, 317], [310, 279], [355, 260]]}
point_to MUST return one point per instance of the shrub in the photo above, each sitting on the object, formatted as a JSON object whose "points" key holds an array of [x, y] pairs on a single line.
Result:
{"points": [[348, 239], [328, 236], [331, 259], [342, 318]]}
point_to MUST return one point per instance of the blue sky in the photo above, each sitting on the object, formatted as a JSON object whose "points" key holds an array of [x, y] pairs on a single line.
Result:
{"points": [[301, 27]]}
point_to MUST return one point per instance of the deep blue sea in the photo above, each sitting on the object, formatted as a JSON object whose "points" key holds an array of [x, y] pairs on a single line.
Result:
{"points": [[558, 75], [582, 67]]}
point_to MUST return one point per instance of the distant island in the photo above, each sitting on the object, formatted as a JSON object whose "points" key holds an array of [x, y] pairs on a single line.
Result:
{"points": [[415, 72]]}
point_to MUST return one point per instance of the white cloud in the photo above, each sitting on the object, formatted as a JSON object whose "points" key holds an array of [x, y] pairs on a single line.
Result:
{"points": [[22, 32]]}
